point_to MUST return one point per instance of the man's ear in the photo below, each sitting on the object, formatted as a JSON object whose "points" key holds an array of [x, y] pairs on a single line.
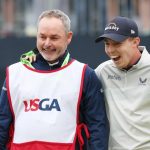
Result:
{"points": [[136, 41], [69, 37]]}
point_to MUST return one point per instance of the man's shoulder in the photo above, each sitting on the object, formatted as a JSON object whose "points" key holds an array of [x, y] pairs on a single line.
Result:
{"points": [[105, 64], [89, 72], [15, 64]]}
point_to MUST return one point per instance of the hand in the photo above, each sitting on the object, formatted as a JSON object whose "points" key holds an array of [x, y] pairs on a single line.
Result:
{"points": [[30, 58]]}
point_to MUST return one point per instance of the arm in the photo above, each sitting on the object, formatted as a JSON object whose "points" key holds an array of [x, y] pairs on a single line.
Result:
{"points": [[5, 118], [94, 113]]}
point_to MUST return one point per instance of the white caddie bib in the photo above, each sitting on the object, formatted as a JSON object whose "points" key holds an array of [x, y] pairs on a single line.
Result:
{"points": [[45, 103]]}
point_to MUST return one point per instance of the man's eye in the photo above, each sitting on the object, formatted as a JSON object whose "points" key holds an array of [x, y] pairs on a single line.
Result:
{"points": [[42, 37], [54, 38]]}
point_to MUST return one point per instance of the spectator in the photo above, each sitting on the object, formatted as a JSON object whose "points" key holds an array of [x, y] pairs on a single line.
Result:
{"points": [[8, 17]]}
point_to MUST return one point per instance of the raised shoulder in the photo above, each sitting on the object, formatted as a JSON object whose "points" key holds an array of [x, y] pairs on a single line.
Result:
{"points": [[103, 65]]}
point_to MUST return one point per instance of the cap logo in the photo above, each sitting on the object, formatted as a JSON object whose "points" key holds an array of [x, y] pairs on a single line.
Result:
{"points": [[112, 26], [132, 32]]}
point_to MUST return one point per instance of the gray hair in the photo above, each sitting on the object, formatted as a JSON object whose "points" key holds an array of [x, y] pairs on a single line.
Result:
{"points": [[57, 14]]}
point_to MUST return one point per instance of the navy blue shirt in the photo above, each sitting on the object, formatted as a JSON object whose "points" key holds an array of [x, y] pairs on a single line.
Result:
{"points": [[92, 108]]}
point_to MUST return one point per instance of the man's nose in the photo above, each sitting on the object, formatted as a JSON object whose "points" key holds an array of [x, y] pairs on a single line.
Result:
{"points": [[47, 42]]}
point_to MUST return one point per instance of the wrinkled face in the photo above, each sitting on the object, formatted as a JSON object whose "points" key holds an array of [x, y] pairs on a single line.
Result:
{"points": [[123, 54], [52, 39]]}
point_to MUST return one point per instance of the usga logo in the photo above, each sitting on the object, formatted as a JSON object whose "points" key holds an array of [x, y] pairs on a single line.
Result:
{"points": [[44, 105]]}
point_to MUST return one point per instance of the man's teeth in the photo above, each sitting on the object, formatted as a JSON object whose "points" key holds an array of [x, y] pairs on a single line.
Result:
{"points": [[114, 57]]}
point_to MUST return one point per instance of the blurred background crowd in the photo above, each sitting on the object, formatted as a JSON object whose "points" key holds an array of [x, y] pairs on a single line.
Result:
{"points": [[18, 26], [19, 17]]}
